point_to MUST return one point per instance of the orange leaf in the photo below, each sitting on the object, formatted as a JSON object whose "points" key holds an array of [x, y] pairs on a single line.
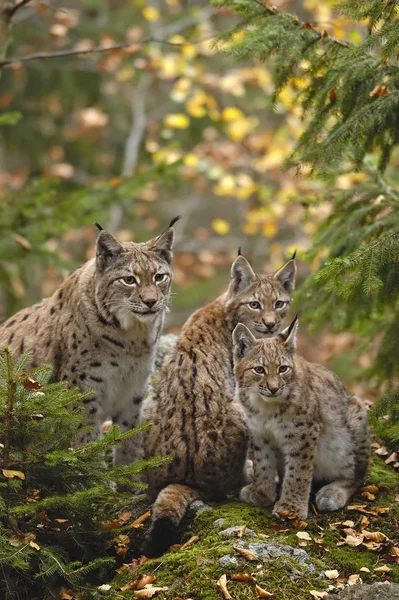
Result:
{"points": [[222, 585], [242, 577], [192, 540], [9, 473], [140, 520], [246, 553], [261, 593]]}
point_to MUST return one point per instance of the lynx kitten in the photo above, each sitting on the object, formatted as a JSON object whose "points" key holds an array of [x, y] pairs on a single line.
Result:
{"points": [[100, 329], [304, 424], [195, 418]]}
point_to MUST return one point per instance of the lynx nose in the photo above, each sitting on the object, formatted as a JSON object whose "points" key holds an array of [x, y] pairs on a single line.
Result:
{"points": [[150, 303], [273, 390]]}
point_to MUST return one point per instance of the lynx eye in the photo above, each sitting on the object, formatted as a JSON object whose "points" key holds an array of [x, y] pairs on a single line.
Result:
{"points": [[259, 370], [160, 277], [129, 280], [279, 304], [254, 305], [283, 369]]}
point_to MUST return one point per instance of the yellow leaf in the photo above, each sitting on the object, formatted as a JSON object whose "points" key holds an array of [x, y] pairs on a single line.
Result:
{"points": [[10, 474], [191, 160], [177, 121], [220, 226], [150, 13], [270, 229], [34, 545], [232, 113], [226, 186], [189, 51], [238, 129]]}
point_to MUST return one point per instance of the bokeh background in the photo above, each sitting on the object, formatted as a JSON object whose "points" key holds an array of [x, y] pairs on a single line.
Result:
{"points": [[134, 136]]}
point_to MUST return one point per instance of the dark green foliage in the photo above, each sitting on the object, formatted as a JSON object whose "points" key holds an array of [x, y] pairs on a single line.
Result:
{"points": [[349, 97], [44, 210], [54, 500], [345, 118]]}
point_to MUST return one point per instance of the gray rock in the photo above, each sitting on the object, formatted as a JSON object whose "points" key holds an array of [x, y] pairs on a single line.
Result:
{"points": [[219, 522], [228, 561], [269, 550], [375, 591], [232, 531], [196, 508]]}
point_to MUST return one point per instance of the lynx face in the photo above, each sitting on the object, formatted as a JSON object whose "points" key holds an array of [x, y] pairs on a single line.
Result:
{"points": [[133, 281], [260, 301], [265, 366]]}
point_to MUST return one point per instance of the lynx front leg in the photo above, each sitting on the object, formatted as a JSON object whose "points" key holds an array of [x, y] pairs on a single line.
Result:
{"points": [[296, 483], [262, 490], [94, 419], [131, 449]]}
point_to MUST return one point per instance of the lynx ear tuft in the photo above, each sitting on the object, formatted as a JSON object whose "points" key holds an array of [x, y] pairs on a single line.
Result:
{"points": [[289, 335], [107, 249], [286, 275], [243, 341], [242, 274], [99, 227], [163, 244]]}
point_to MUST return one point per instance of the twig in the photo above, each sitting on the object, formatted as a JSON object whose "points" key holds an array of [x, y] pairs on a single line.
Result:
{"points": [[172, 29], [13, 9]]}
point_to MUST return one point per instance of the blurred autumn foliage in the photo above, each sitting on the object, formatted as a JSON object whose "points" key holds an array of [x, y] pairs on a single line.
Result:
{"points": [[163, 122]]}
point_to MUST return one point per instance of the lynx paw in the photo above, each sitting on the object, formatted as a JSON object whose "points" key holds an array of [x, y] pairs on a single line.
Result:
{"points": [[285, 510], [252, 495], [329, 499]]}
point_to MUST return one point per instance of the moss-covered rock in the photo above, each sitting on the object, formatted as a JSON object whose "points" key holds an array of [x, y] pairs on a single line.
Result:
{"points": [[282, 564]]}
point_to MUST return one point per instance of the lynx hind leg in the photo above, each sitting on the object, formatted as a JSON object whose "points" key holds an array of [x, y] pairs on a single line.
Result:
{"points": [[336, 494]]}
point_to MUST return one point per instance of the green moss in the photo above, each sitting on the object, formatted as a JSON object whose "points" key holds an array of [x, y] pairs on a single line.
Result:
{"points": [[194, 572]]}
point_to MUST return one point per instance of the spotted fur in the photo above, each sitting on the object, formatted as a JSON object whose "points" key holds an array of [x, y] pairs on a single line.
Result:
{"points": [[304, 424], [195, 417], [100, 329]]}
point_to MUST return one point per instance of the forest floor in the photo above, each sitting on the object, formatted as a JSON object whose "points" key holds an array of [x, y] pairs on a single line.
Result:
{"points": [[233, 550]]}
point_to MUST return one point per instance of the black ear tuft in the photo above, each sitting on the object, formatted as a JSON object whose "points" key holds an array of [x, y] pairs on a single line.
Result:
{"points": [[288, 335], [239, 251], [173, 221], [286, 275], [97, 224], [242, 275], [107, 249], [294, 255]]}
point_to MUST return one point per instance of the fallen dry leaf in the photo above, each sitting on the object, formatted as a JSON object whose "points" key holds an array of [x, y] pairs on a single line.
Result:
{"points": [[192, 540], [9, 473], [242, 576], [394, 457], [140, 520], [105, 587], [332, 574], [375, 536], [317, 594], [354, 579], [240, 531], [394, 550], [149, 591], [371, 489], [369, 496], [381, 451], [34, 545], [261, 593], [246, 553], [222, 585], [303, 535], [365, 569], [383, 569], [139, 584], [364, 522]]}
